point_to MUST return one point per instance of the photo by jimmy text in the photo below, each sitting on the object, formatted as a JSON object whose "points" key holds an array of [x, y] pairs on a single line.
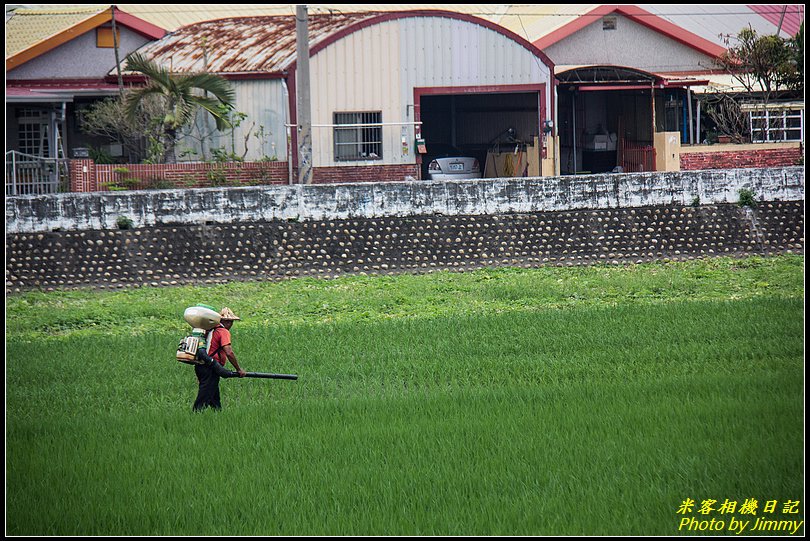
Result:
{"points": [[782, 517]]}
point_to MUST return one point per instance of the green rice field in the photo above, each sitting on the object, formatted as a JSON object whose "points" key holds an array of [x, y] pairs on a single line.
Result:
{"points": [[553, 401]]}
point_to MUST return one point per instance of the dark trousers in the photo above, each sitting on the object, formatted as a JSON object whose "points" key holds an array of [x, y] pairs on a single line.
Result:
{"points": [[208, 375]]}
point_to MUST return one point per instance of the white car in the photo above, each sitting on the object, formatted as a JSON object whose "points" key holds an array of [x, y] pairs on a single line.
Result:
{"points": [[448, 163]]}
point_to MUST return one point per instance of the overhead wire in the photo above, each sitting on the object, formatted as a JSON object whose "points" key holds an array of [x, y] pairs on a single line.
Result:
{"points": [[182, 8]]}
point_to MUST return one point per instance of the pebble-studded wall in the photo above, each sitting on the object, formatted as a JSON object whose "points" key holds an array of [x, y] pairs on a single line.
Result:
{"points": [[277, 249]]}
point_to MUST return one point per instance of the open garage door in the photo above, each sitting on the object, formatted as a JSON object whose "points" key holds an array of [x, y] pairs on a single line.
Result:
{"points": [[501, 130]]}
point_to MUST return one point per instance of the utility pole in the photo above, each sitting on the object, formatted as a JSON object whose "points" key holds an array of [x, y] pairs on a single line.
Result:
{"points": [[781, 20], [302, 84], [115, 47]]}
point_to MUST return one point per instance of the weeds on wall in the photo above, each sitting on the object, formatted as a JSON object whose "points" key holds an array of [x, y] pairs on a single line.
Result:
{"points": [[747, 198], [124, 222]]}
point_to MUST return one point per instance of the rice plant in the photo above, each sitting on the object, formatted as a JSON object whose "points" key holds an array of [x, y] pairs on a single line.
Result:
{"points": [[581, 401]]}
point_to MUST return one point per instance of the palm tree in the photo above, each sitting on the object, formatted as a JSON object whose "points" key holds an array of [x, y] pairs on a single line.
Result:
{"points": [[181, 97]]}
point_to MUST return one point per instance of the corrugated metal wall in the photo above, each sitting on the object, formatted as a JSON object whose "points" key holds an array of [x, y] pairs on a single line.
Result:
{"points": [[262, 131], [377, 68], [266, 104], [359, 73]]}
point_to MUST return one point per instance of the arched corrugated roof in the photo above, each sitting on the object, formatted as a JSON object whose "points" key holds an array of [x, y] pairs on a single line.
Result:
{"points": [[266, 44], [605, 74]]}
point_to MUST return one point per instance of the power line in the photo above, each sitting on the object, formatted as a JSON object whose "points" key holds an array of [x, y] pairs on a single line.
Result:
{"points": [[182, 9]]}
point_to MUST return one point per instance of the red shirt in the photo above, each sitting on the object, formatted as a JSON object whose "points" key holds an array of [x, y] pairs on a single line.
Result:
{"points": [[220, 337]]}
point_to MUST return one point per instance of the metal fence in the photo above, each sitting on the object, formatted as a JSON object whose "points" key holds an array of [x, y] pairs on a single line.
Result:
{"points": [[637, 158], [33, 175]]}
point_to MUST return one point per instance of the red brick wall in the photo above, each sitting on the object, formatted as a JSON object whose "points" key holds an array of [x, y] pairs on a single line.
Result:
{"points": [[87, 176], [83, 176], [364, 173], [189, 175], [740, 159]]}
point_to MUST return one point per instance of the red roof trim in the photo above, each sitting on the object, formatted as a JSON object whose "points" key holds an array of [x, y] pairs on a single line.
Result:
{"points": [[420, 91], [57, 90], [640, 16], [253, 75], [602, 88], [684, 84], [82, 27], [97, 87], [139, 25], [56, 84]]}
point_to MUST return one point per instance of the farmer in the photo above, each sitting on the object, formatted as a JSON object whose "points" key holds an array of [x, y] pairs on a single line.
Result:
{"points": [[220, 351]]}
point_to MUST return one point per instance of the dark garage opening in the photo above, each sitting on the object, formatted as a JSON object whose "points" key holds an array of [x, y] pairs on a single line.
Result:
{"points": [[483, 126], [598, 127], [608, 117]]}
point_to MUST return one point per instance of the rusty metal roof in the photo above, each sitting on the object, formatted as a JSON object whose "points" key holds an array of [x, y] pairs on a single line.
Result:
{"points": [[174, 16], [264, 44]]}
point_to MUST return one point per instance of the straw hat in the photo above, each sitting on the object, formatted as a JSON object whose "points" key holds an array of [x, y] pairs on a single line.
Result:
{"points": [[228, 315]]}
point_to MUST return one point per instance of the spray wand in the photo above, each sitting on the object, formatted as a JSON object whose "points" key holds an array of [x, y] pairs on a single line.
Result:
{"points": [[192, 349]]}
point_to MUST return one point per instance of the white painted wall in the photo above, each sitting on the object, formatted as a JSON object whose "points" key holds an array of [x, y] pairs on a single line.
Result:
{"points": [[630, 44], [100, 210], [78, 58]]}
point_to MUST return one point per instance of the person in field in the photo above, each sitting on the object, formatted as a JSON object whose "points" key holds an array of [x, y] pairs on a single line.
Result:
{"points": [[220, 351]]}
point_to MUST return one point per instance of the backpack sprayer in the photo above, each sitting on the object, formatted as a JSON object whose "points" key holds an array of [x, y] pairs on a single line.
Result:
{"points": [[193, 348]]}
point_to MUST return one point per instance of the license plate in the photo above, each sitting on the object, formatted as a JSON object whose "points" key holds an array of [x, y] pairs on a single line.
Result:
{"points": [[457, 167]]}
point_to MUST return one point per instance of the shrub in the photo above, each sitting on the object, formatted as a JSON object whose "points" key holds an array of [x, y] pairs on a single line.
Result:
{"points": [[747, 198], [124, 222]]}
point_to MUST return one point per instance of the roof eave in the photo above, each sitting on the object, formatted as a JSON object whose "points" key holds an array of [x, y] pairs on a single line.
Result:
{"points": [[94, 21], [639, 16]]}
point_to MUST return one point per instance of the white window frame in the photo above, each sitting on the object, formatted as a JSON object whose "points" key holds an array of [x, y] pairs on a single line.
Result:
{"points": [[32, 132], [358, 136], [776, 119]]}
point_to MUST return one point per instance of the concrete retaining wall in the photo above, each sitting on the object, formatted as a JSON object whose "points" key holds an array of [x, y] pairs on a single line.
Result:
{"points": [[205, 254], [101, 211], [211, 236]]}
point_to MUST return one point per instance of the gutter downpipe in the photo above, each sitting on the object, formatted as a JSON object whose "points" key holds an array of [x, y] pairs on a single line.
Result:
{"points": [[287, 130]]}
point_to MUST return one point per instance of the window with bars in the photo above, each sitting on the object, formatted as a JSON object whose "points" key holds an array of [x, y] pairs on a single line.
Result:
{"points": [[358, 136], [771, 125]]}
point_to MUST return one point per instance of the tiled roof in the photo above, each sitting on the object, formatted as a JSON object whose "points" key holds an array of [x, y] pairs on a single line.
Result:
{"points": [[31, 33], [29, 26]]}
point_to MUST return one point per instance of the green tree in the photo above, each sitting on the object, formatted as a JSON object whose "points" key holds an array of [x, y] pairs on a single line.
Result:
{"points": [[765, 66], [760, 63], [182, 95], [139, 136], [795, 79]]}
